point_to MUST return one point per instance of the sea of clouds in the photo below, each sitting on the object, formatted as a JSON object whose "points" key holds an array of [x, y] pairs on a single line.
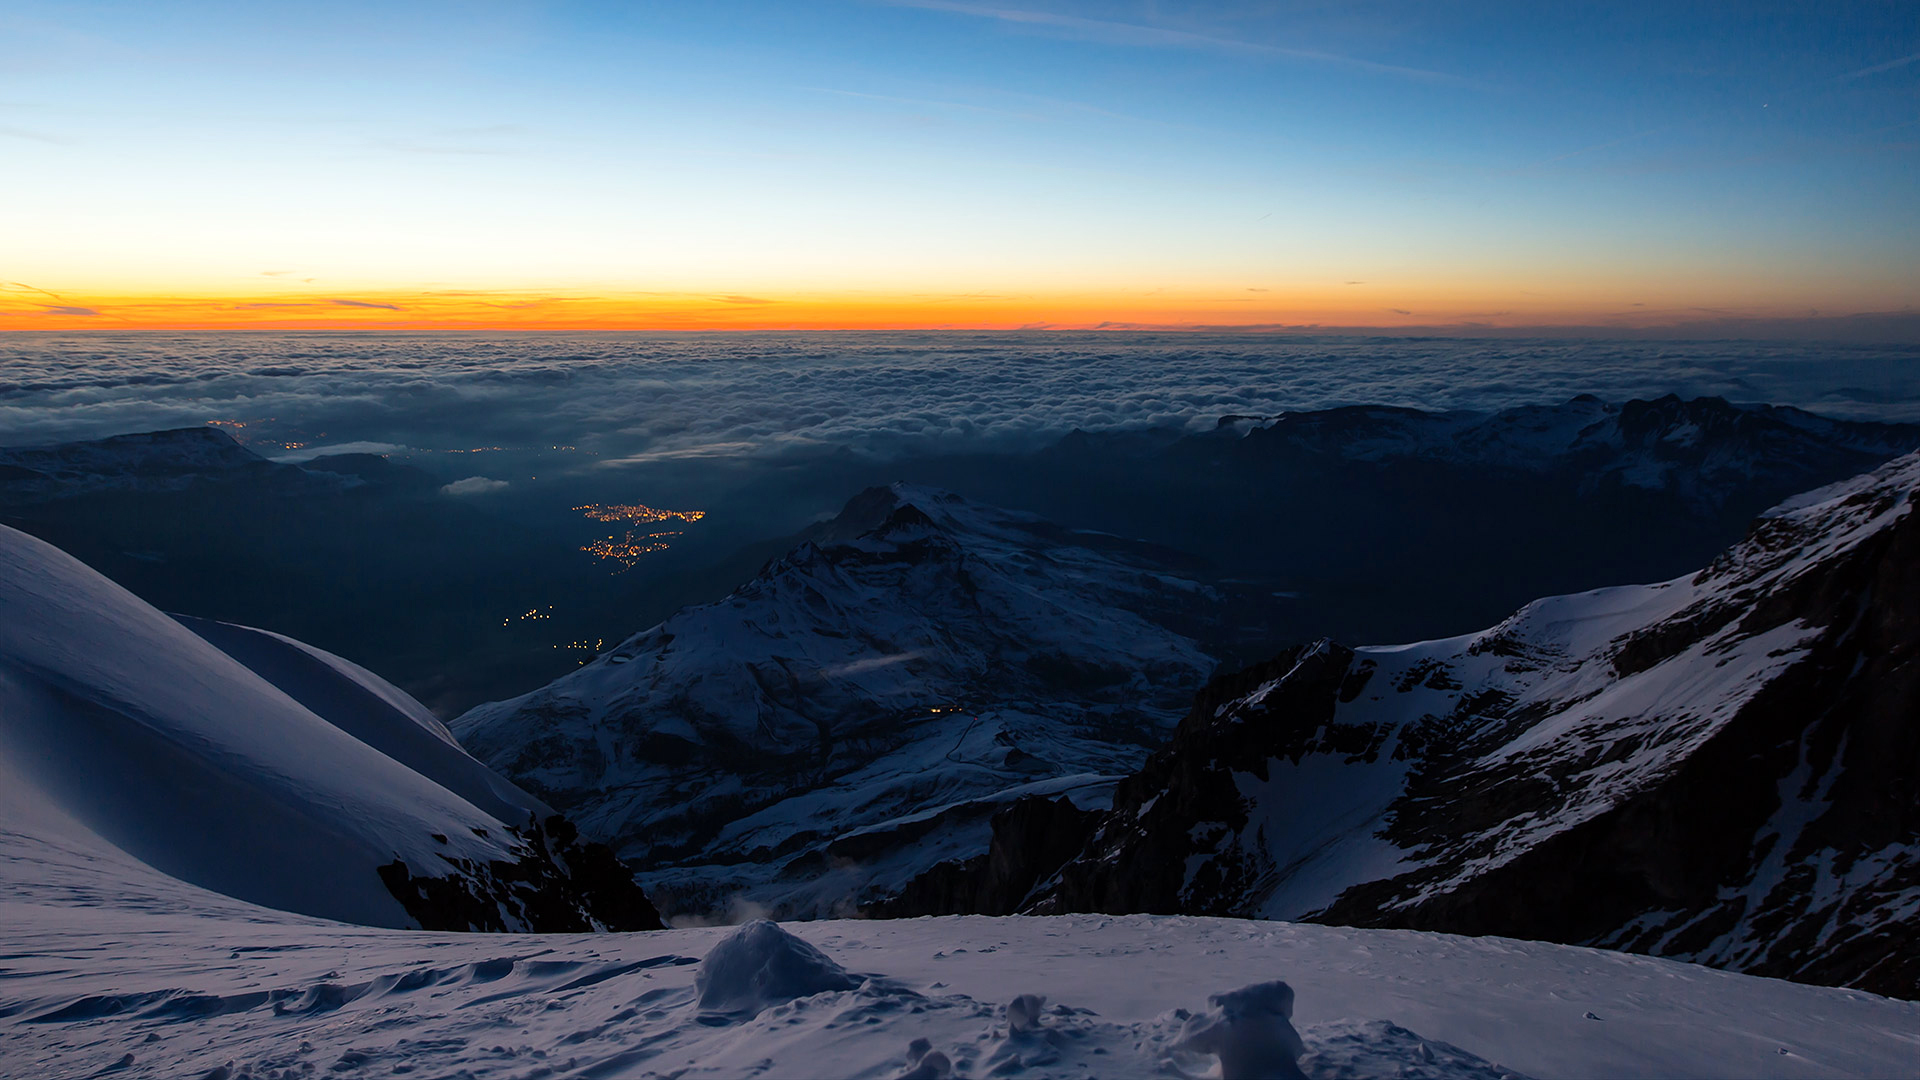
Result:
{"points": [[652, 398]]}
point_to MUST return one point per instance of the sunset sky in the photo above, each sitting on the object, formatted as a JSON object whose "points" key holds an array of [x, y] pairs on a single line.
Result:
{"points": [[930, 163]]}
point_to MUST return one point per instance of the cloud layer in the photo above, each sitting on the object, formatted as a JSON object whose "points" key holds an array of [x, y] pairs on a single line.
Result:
{"points": [[651, 399]]}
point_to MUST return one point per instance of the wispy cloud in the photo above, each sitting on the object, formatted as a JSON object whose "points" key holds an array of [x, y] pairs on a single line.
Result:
{"points": [[1877, 68], [1112, 32], [365, 304], [67, 309], [748, 300], [34, 136]]}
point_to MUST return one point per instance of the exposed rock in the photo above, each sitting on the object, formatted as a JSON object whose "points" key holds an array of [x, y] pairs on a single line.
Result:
{"points": [[1031, 839], [1721, 768], [558, 885]]}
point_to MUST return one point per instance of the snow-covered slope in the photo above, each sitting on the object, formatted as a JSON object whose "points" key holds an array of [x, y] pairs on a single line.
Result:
{"points": [[309, 785], [1720, 767], [371, 710], [856, 712]]}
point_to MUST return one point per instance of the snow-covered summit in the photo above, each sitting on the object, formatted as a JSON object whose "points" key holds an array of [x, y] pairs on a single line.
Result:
{"points": [[253, 766], [1719, 767], [870, 698]]}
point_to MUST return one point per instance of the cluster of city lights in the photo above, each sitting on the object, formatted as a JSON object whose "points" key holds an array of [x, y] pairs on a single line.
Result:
{"points": [[628, 549], [634, 512]]}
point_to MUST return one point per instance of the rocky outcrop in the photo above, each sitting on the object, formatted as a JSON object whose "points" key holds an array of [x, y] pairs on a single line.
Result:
{"points": [[559, 884], [1723, 768], [1031, 839]]}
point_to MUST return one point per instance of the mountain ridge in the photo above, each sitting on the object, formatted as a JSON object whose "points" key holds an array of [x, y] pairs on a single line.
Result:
{"points": [[879, 687], [1709, 768]]}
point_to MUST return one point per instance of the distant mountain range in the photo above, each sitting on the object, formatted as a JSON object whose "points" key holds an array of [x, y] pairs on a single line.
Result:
{"points": [[183, 460], [1396, 524]]}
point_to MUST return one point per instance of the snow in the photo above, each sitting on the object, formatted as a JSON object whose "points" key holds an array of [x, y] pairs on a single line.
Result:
{"points": [[759, 966], [371, 710], [1559, 696], [894, 671], [1251, 1031], [203, 983], [131, 738], [255, 784]]}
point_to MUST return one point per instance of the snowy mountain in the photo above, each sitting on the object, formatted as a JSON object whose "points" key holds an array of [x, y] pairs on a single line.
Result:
{"points": [[1719, 768], [254, 766], [860, 709]]}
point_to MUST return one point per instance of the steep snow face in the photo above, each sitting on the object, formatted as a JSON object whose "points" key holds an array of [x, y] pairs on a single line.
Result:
{"points": [[859, 710], [1702, 449], [150, 461], [373, 711], [127, 736], [1717, 767]]}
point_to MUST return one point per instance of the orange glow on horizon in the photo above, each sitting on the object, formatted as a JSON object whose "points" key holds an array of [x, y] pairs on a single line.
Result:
{"points": [[1356, 305]]}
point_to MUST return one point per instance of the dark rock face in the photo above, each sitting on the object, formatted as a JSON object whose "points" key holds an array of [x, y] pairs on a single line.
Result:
{"points": [[559, 885], [1031, 839], [1724, 769], [1135, 859]]}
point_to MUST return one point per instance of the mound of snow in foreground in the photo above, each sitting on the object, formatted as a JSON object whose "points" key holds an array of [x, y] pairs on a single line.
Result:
{"points": [[134, 980]]}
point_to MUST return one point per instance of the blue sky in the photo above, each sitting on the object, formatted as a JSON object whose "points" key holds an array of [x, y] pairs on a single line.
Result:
{"points": [[1745, 157]]}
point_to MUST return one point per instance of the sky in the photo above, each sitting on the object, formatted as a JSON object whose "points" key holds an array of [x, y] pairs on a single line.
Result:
{"points": [[933, 163]]}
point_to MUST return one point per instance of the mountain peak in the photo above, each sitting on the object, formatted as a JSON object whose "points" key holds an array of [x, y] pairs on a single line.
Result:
{"points": [[873, 696], [1755, 717]]}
